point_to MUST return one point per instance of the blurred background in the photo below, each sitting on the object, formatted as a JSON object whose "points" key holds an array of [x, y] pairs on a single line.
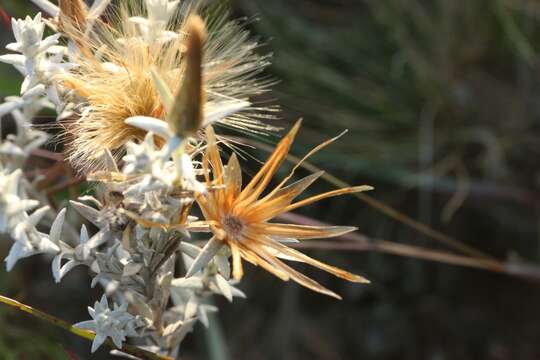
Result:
{"points": [[442, 102]]}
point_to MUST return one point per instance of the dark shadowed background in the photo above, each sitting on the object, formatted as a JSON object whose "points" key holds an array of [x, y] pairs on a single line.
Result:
{"points": [[442, 102]]}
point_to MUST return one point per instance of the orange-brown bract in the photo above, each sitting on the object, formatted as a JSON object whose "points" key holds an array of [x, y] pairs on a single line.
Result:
{"points": [[240, 217]]}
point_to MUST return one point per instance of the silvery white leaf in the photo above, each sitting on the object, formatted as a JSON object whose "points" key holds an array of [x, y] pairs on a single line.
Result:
{"points": [[13, 59], [59, 271], [97, 8], [238, 293], [202, 313], [191, 308], [171, 328], [140, 303], [96, 279], [188, 283], [9, 106], [91, 199], [172, 145], [87, 212], [132, 269], [185, 329], [188, 261], [95, 267], [98, 239], [166, 36], [208, 252], [18, 251], [222, 110], [110, 163], [86, 325], [57, 50], [21, 205], [56, 266], [111, 287], [222, 263], [29, 81], [37, 90], [150, 124], [189, 249], [83, 237], [224, 287], [165, 280], [16, 47], [48, 7], [163, 89], [48, 42], [98, 341]]}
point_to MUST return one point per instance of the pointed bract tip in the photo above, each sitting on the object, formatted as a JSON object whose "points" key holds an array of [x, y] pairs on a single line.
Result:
{"points": [[196, 27], [165, 94], [360, 280], [363, 188], [296, 126], [289, 138], [349, 229]]}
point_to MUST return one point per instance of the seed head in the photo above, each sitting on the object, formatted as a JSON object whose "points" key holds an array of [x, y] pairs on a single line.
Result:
{"points": [[121, 57]]}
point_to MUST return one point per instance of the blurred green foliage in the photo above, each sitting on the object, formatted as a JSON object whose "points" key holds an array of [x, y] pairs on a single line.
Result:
{"points": [[454, 79]]}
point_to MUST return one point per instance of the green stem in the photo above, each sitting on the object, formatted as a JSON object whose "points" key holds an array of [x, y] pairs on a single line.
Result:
{"points": [[88, 335]]}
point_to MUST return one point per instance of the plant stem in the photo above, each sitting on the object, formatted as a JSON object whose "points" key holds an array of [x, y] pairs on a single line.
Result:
{"points": [[88, 335]]}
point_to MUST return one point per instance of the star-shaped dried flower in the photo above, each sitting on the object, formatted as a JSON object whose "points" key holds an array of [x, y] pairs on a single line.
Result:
{"points": [[115, 324], [28, 240], [240, 218], [13, 204], [83, 253]]}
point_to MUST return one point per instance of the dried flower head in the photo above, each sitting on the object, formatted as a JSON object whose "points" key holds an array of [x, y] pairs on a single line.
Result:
{"points": [[129, 66], [240, 217]]}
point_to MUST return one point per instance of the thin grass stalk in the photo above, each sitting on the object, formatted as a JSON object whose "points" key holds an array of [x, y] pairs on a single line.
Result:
{"points": [[85, 334], [359, 242]]}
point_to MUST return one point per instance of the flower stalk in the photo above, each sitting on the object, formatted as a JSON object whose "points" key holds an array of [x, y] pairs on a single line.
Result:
{"points": [[85, 334]]}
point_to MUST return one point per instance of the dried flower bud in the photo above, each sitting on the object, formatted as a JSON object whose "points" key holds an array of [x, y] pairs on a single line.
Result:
{"points": [[186, 115]]}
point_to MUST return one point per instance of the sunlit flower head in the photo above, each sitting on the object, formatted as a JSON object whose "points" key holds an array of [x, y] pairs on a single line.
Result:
{"points": [[135, 54], [240, 218]]}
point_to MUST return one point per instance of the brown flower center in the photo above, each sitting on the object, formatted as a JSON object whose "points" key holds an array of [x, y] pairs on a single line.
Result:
{"points": [[233, 226]]}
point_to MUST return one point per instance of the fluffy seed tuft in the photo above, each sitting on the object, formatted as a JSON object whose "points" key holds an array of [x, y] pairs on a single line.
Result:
{"points": [[114, 78]]}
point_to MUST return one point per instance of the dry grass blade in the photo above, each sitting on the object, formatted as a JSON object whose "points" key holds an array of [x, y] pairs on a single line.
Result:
{"points": [[88, 335], [416, 252], [359, 242]]}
